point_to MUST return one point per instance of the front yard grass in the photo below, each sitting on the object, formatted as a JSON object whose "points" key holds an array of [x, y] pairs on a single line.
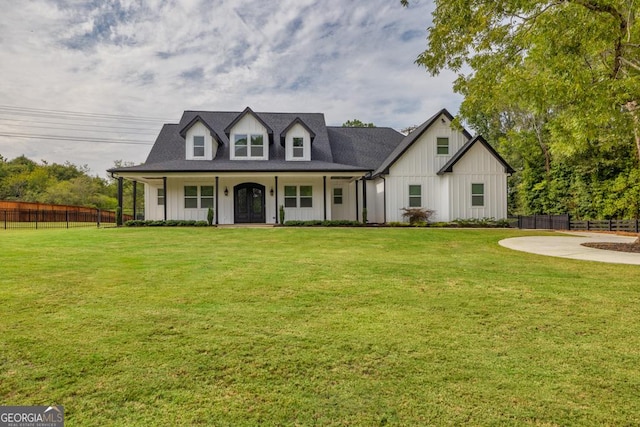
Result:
{"points": [[314, 326]]}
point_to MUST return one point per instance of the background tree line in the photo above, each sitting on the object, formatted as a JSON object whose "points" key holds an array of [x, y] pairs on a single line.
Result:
{"points": [[62, 184], [555, 87]]}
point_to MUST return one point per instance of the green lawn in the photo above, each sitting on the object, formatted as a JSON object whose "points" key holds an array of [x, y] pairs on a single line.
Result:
{"points": [[282, 326]]}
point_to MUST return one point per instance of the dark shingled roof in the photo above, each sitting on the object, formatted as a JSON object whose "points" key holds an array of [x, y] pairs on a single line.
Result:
{"points": [[365, 147], [334, 149], [448, 167]]}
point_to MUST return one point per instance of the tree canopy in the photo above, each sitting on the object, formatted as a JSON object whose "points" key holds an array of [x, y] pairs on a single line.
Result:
{"points": [[63, 184], [555, 85], [355, 123]]}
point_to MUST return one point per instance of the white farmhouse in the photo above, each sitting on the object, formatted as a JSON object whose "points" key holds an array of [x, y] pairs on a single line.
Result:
{"points": [[246, 165]]}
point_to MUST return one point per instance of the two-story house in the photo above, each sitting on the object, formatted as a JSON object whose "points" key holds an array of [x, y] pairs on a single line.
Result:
{"points": [[246, 165]]}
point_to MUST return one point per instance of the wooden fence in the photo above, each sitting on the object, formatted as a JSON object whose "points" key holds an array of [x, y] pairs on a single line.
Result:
{"points": [[41, 215], [565, 222]]}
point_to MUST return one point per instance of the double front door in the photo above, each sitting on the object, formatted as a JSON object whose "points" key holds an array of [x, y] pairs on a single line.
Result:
{"points": [[248, 203]]}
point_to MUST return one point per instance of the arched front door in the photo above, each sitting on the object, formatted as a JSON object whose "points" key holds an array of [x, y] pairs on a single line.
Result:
{"points": [[248, 203]]}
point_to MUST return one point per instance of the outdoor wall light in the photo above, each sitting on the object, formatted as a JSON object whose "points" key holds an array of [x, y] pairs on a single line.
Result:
{"points": [[226, 191], [271, 191]]}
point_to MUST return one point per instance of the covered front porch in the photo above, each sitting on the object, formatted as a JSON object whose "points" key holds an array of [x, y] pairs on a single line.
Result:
{"points": [[255, 198]]}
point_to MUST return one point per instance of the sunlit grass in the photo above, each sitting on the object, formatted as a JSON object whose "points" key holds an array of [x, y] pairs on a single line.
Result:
{"points": [[318, 326]]}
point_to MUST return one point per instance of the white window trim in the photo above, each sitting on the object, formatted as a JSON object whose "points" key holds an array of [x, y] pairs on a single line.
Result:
{"points": [[198, 196], [193, 147], [448, 145], [409, 196], [333, 196], [265, 146], [306, 147], [484, 194], [298, 196]]}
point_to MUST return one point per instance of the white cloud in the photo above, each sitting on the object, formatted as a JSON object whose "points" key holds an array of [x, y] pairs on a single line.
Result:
{"points": [[158, 58]]}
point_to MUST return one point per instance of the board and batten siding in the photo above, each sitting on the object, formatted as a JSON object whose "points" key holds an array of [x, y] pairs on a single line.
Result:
{"points": [[210, 145], [478, 166], [419, 166], [249, 125]]}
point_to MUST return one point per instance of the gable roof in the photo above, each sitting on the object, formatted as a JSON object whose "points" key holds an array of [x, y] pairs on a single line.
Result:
{"points": [[410, 139], [448, 167], [296, 121], [240, 116], [196, 119]]}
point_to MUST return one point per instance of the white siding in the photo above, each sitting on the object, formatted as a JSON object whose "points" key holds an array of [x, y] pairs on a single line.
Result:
{"points": [[306, 214], [297, 131], [251, 126], [152, 210], [419, 166], [210, 145], [478, 166], [347, 210]]}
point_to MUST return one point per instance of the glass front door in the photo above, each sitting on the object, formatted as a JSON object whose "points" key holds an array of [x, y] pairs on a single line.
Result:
{"points": [[249, 203]]}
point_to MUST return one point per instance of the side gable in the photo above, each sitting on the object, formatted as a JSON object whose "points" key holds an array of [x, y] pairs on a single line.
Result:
{"points": [[448, 167], [410, 139], [246, 111]]}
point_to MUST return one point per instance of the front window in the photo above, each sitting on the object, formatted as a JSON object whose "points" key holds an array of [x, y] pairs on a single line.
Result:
{"points": [[298, 147], [190, 196], [477, 194], [206, 196], [306, 196], [415, 196], [198, 146], [301, 196], [290, 196], [337, 196], [198, 196], [160, 196], [442, 146]]}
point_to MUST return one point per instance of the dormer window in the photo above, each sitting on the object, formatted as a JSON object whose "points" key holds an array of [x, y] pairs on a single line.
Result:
{"points": [[248, 146], [298, 147], [198, 146]]}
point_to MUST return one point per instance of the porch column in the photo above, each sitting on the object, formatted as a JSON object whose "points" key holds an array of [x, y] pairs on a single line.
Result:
{"points": [[364, 193], [216, 202], [120, 193], [384, 199], [324, 195], [276, 197], [166, 199], [135, 198], [357, 204]]}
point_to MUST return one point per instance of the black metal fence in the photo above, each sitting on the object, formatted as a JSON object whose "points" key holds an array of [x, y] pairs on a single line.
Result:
{"points": [[564, 222], [42, 218]]}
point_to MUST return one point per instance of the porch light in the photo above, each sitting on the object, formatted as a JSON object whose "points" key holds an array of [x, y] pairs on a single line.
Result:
{"points": [[226, 191], [271, 191]]}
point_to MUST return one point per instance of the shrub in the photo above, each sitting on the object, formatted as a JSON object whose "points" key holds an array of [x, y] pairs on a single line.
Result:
{"points": [[364, 215], [210, 216], [417, 215], [281, 214], [328, 223], [168, 223]]}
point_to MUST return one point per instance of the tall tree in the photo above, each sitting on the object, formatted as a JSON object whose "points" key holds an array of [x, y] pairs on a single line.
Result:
{"points": [[556, 83]]}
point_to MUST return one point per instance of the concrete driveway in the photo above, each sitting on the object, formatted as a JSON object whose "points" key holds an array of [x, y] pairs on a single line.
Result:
{"points": [[568, 245]]}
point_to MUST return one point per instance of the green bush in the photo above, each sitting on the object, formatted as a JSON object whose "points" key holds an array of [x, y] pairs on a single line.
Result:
{"points": [[317, 222], [168, 223]]}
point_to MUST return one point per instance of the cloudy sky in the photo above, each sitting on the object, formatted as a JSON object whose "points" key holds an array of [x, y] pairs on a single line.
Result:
{"points": [[91, 82]]}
